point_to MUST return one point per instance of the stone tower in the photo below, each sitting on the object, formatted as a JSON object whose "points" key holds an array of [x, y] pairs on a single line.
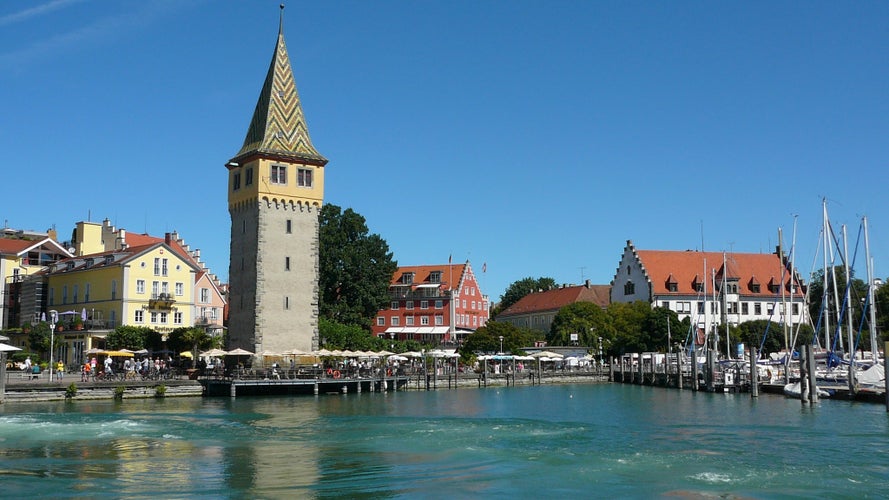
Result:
{"points": [[275, 193]]}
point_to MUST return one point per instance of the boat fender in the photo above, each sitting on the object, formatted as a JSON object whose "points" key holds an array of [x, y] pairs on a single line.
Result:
{"points": [[336, 374]]}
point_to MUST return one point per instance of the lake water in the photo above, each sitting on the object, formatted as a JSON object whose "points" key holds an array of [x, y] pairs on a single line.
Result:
{"points": [[596, 440]]}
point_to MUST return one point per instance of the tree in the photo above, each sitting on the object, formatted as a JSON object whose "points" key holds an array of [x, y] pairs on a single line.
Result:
{"points": [[655, 334], [38, 338], [355, 268], [857, 293], [628, 319], [487, 339], [881, 300], [191, 339], [519, 289], [128, 337], [588, 320], [355, 338]]}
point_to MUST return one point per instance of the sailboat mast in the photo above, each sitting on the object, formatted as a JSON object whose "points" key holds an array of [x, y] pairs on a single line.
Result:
{"points": [[848, 301], [728, 346], [874, 348], [825, 303], [783, 296]]}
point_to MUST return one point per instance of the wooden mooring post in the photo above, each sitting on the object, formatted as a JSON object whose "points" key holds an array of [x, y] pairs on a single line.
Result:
{"points": [[754, 374]]}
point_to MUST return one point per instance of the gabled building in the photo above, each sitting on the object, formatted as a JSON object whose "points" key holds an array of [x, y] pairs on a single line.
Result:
{"points": [[537, 310], [21, 255], [433, 304], [712, 288]]}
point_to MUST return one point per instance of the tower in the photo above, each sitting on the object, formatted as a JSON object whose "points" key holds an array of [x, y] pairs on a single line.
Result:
{"points": [[275, 193]]}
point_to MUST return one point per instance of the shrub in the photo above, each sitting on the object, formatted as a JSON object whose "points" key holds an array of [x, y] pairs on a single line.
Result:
{"points": [[71, 391], [118, 392], [160, 391]]}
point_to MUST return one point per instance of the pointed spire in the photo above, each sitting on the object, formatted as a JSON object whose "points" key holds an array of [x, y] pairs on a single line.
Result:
{"points": [[279, 126]]}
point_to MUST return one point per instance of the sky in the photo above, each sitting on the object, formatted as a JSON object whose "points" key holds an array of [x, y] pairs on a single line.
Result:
{"points": [[531, 138]]}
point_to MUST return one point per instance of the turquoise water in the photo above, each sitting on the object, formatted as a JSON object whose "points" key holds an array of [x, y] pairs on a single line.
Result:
{"points": [[594, 441]]}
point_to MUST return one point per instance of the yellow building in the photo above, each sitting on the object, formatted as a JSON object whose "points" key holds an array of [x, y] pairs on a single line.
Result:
{"points": [[148, 285]]}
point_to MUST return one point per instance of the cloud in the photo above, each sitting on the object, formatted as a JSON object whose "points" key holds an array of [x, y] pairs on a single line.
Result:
{"points": [[99, 28], [33, 12]]}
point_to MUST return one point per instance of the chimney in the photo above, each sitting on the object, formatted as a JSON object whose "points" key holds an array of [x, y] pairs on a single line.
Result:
{"points": [[168, 238], [586, 283]]}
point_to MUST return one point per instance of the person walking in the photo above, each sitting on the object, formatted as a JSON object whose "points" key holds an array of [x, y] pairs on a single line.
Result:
{"points": [[60, 370]]}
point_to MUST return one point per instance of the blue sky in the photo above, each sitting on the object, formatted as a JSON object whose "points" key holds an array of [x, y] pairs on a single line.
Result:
{"points": [[536, 137]]}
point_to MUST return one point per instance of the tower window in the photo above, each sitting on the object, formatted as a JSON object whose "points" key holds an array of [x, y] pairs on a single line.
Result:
{"points": [[236, 181], [286, 263], [248, 176], [279, 174], [286, 302], [304, 177], [289, 226]]}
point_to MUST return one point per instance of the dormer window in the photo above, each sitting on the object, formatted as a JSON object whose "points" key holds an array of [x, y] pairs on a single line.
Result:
{"points": [[69, 266], [109, 259], [89, 262], [407, 278], [672, 285], [435, 277]]}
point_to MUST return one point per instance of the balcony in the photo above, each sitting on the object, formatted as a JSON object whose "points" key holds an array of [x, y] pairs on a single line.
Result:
{"points": [[161, 301]]}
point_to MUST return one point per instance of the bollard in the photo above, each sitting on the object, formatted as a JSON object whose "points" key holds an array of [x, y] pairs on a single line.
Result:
{"points": [[754, 374]]}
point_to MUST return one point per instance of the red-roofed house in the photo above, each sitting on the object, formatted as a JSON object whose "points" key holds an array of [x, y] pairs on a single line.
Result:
{"points": [[434, 304], [711, 287], [537, 310], [22, 255]]}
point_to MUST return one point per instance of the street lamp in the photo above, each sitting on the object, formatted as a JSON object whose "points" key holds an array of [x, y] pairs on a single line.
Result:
{"points": [[501, 344], [53, 318]]}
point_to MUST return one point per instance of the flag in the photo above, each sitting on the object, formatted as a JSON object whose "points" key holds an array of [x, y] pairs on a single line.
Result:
{"points": [[485, 267]]}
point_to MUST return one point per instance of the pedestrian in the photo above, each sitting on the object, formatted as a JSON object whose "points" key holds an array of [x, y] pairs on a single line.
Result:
{"points": [[28, 364], [85, 371], [60, 370], [93, 365]]}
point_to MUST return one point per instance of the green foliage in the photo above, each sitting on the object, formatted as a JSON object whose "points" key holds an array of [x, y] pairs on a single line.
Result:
{"points": [[160, 391], [519, 289], [119, 391], [628, 321], [881, 300], [587, 320], [71, 391], [355, 268], [487, 339], [857, 292], [128, 337], [751, 334], [38, 337], [191, 339], [355, 338]]}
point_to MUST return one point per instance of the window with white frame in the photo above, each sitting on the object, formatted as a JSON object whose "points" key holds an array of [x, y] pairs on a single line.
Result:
{"points": [[304, 177], [424, 304], [278, 174], [439, 320], [409, 305], [409, 321], [140, 286], [205, 295], [163, 267], [381, 321], [155, 288], [163, 318], [438, 304], [165, 288], [177, 318], [394, 306], [424, 320], [153, 317], [139, 316], [180, 289], [157, 266], [396, 321]]}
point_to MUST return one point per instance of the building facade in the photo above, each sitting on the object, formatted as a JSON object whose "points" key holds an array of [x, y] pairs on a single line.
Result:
{"points": [[433, 304], [537, 310], [23, 255], [712, 288], [275, 194]]}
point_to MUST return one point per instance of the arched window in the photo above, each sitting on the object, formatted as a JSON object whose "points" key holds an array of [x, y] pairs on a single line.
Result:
{"points": [[629, 288]]}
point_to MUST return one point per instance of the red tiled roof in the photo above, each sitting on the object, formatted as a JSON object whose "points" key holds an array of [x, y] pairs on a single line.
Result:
{"points": [[687, 267], [8, 246], [449, 273], [134, 239], [557, 298]]}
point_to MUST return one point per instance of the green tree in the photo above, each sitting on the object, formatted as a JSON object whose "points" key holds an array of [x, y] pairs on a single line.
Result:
{"points": [[355, 268], [128, 337], [355, 338], [881, 300], [655, 333], [586, 319], [191, 339], [628, 320], [487, 339], [519, 289], [39, 337], [857, 293]]}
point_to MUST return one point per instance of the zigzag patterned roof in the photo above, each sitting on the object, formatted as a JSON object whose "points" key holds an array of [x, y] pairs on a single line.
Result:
{"points": [[279, 127]]}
